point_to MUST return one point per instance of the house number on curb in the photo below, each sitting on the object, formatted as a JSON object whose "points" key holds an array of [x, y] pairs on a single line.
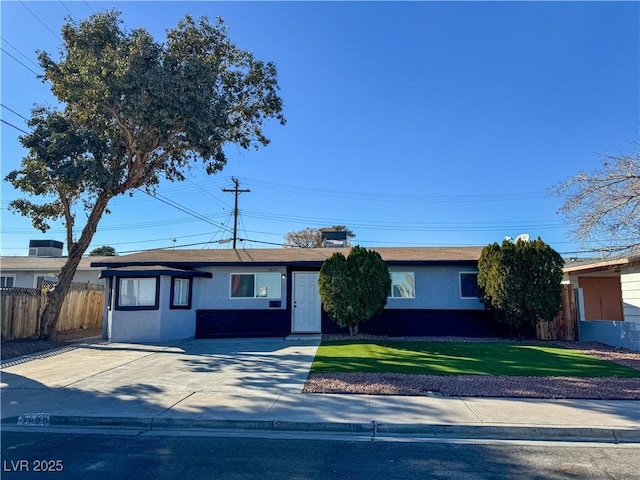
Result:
{"points": [[34, 420]]}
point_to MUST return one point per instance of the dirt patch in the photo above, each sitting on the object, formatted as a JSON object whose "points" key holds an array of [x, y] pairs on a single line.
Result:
{"points": [[489, 386], [27, 346]]}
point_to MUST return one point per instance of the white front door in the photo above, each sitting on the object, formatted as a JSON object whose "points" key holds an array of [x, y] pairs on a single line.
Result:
{"points": [[306, 303]]}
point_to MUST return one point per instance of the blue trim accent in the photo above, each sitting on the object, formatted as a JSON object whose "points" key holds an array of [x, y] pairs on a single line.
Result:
{"points": [[154, 273]]}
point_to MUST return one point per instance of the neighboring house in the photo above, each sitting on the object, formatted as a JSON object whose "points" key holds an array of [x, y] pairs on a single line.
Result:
{"points": [[173, 294], [31, 271], [608, 300]]}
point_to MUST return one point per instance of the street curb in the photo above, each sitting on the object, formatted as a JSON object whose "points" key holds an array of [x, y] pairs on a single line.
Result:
{"points": [[373, 429], [34, 420], [515, 432]]}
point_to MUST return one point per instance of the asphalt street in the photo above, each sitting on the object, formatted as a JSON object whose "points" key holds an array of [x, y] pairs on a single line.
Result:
{"points": [[30, 455]]}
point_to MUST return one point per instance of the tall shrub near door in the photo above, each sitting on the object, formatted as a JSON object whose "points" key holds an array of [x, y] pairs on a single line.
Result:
{"points": [[355, 288]]}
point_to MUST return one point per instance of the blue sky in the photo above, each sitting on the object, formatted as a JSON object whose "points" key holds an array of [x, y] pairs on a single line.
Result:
{"points": [[415, 124]]}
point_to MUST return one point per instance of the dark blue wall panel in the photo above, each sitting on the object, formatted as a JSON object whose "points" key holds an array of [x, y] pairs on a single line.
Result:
{"points": [[393, 323], [242, 323], [396, 323]]}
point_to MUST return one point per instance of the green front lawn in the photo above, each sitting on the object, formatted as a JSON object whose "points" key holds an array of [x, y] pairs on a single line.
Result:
{"points": [[457, 358]]}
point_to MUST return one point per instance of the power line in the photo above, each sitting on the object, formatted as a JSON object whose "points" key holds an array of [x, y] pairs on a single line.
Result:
{"points": [[377, 196], [244, 228], [174, 190], [88, 5], [165, 248], [597, 250], [353, 223], [18, 50], [116, 227], [67, 9], [179, 207], [211, 240], [360, 225], [152, 240], [14, 112], [12, 125], [25, 66], [200, 243], [404, 226], [208, 194], [221, 240], [260, 241], [43, 23]]}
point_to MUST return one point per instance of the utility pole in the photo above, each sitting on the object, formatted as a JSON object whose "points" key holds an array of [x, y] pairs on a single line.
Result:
{"points": [[237, 192]]}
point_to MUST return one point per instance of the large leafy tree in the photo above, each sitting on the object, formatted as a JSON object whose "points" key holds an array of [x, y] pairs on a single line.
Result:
{"points": [[134, 112], [604, 205], [521, 282], [355, 288], [312, 237]]}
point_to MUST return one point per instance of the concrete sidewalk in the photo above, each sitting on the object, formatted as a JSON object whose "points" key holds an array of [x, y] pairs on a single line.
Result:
{"points": [[257, 383]]}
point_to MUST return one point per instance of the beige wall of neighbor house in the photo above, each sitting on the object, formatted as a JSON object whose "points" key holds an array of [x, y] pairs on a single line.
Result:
{"points": [[25, 271], [630, 286]]}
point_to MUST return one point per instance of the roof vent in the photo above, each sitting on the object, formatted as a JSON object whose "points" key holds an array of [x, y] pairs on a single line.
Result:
{"points": [[334, 238], [45, 248]]}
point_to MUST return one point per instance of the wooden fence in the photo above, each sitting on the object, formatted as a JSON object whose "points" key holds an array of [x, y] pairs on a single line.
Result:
{"points": [[20, 309], [565, 325]]}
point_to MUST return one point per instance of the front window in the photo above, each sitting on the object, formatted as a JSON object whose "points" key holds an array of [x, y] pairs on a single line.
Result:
{"points": [[468, 285], [7, 281], [403, 285], [256, 285], [181, 293], [138, 293]]}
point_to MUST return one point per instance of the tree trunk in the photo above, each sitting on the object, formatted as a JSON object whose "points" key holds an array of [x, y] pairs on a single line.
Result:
{"points": [[55, 298]]}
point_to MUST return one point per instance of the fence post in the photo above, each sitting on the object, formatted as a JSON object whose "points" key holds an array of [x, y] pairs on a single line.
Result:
{"points": [[564, 326], [569, 299]]}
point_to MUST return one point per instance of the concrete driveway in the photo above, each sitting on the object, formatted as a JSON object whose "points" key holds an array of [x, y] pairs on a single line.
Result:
{"points": [[190, 377]]}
